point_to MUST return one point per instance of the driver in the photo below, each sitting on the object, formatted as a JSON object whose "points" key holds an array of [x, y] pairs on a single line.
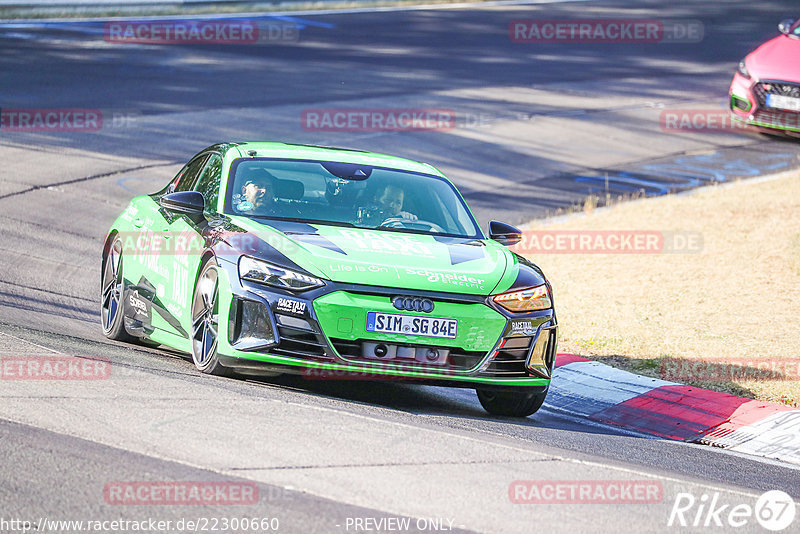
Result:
{"points": [[390, 200], [257, 196]]}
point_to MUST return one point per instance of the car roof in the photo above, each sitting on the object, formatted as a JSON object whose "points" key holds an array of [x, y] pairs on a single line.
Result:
{"points": [[344, 155]]}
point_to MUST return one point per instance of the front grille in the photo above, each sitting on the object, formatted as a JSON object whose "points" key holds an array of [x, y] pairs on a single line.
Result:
{"points": [[760, 93], [457, 359], [510, 360], [298, 338], [762, 89]]}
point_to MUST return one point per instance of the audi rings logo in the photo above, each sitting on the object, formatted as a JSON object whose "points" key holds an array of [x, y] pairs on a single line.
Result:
{"points": [[413, 304]]}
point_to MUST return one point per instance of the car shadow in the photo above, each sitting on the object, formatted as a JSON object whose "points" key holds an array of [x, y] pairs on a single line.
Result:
{"points": [[430, 401]]}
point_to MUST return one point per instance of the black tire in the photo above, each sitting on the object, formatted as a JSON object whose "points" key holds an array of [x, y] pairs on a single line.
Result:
{"points": [[520, 403], [205, 321], [112, 291]]}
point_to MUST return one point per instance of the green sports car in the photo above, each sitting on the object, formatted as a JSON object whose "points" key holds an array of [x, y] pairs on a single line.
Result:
{"points": [[269, 258]]}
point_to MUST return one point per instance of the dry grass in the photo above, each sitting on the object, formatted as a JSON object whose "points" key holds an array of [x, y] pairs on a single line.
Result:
{"points": [[738, 299]]}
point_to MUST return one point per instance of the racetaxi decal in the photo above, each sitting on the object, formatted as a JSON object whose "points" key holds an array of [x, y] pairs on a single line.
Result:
{"points": [[380, 243], [295, 307], [520, 328]]}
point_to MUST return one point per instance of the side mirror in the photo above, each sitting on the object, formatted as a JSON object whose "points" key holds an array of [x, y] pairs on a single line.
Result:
{"points": [[504, 234], [785, 26], [190, 203]]}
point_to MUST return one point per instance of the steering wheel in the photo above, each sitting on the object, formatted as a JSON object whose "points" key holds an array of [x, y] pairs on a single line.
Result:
{"points": [[412, 224]]}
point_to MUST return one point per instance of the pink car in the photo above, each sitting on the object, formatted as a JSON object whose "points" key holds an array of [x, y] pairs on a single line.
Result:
{"points": [[765, 91]]}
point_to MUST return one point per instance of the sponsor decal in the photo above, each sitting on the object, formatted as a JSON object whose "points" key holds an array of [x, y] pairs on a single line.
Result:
{"points": [[462, 280], [180, 280], [413, 304], [137, 304], [348, 268], [295, 307]]}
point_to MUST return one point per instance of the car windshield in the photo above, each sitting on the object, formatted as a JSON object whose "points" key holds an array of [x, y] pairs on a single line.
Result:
{"points": [[347, 194]]}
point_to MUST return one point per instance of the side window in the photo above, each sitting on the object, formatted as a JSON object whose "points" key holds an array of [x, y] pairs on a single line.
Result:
{"points": [[188, 176], [209, 182]]}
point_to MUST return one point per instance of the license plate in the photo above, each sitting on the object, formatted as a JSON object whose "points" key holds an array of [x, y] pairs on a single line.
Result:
{"points": [[783, 102], [416, 325]]}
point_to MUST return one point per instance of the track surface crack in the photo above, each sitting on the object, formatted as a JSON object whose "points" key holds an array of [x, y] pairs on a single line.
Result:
{"points": [[86, 178]]}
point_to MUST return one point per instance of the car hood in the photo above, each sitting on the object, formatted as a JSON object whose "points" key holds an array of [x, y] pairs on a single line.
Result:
{"points": [[776, 60], [385, 258]]}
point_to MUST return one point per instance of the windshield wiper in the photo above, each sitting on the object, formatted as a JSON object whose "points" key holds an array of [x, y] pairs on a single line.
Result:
{"points": [[309, 221], [410, 231]]}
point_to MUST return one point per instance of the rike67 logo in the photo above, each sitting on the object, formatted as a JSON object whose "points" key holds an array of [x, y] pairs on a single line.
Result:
{"points": [[774, 510]]}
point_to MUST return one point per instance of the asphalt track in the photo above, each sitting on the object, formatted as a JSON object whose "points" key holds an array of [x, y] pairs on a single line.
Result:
{"points": [[538, 124]]}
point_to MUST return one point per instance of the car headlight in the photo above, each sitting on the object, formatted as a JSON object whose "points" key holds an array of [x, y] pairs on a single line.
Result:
{"points": [[262, 272], [743, 69], [526, 300]]}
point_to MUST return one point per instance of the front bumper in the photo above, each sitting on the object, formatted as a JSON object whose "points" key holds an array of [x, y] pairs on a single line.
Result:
{"points": [[748, 103], [322, 334]]}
